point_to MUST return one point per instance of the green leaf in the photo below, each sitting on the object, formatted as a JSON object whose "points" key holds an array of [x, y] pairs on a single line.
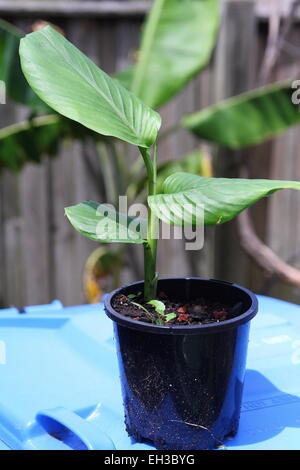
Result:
{"points": [[133, 296], [74, 86], [30, 140], [221, 198], [247, 119], [158, 305], [102, 223], [170, 316], [177, 42], [17, 88]]}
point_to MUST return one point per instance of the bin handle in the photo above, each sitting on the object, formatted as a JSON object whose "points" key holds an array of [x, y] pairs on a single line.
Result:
{"points": [[54, 419]]}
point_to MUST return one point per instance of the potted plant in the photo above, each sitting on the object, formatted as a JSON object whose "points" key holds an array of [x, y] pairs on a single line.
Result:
{"points": [[181, 342]]}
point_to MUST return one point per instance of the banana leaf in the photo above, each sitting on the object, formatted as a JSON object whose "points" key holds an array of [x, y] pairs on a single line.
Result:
{"points": [[177, 41], [11, 74], [247, 119], [194, 199]]}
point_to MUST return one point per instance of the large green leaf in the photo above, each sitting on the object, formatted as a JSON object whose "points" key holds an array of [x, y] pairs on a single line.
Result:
{"points": [[29, 140], [10, 69], [101, 223], [247, 119], [177, 41], [74, 86], [221, 198]]}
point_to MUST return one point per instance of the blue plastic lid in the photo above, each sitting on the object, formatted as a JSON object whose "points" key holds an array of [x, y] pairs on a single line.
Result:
{"points": [[60, 386]]}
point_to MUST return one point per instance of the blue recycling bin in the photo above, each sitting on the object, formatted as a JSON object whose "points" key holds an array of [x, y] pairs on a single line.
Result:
{"points": [[60, 387]]}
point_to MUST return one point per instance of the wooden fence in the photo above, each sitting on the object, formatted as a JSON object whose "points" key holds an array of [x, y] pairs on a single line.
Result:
{"points": [[42, 257]]}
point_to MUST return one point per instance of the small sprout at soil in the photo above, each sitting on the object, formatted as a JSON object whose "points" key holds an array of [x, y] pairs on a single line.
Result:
{"points": [[162, 318], [149, 314], [170, 316], [160, 309], [158, 305], [133, 296], [141, 306]]}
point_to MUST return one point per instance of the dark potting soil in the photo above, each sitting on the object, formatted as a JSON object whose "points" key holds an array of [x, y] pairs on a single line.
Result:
{"points": [[196, 312]]}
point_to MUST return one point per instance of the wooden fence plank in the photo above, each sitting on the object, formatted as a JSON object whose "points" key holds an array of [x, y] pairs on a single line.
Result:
{"points": [[283, 224], [70, 250], [75, 9], [34, 206], [234, 73], [12, 259], [13, 278], [112, 8]]}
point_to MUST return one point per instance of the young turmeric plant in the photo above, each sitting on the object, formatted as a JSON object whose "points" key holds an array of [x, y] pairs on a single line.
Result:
{"points": [[70, 83]]}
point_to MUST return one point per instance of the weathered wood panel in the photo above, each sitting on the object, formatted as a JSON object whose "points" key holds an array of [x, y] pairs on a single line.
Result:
{"points": [[283, 224], [235, 72]]}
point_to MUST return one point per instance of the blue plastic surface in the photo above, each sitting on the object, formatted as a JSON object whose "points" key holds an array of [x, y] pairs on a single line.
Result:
{"points": [[60, 387]]}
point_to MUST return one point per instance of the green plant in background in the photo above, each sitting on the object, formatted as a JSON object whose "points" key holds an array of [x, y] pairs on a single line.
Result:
{"points": [[43, 130], [74, 86], [177, 41]]}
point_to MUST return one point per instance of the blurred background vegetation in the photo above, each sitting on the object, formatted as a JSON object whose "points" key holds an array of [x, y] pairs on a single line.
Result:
{"points": [[42, 257]]}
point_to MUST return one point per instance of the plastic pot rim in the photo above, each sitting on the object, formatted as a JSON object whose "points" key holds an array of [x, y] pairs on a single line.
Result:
{"points": [[216, 327]]}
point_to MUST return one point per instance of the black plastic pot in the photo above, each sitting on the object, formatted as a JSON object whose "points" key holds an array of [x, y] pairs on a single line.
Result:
{"points": [[182, 385]]}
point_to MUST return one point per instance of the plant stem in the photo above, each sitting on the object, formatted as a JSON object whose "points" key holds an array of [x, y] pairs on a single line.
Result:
{"points": [[150, 247]]}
